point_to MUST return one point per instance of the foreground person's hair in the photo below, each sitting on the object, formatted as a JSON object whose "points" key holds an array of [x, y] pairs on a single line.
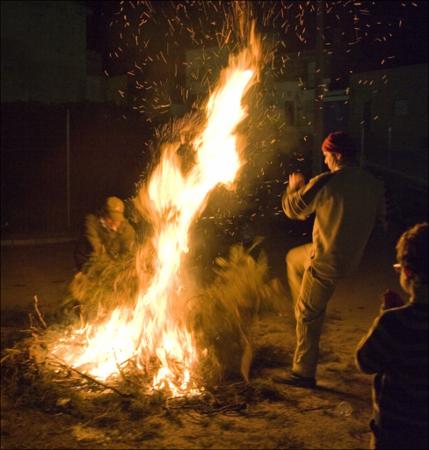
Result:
{"points": [[412, 251]]}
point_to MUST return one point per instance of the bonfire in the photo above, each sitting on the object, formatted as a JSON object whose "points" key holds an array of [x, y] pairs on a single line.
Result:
{"points": [[146, 327]]}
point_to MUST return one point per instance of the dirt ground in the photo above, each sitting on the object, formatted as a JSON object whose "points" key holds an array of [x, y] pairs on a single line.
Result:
{"points": [[262, 415]]}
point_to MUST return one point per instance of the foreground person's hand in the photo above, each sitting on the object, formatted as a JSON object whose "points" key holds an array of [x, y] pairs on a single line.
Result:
{"points": [[296, 181]]}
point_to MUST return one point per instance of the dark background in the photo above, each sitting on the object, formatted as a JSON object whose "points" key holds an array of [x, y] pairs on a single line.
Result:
{"points": [[112, 146]]}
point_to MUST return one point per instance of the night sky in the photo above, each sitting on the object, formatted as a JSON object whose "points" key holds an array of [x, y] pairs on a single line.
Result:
{"points": [[377, 34]]}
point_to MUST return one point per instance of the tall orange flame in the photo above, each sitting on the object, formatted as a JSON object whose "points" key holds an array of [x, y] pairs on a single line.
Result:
{"points": [[154, 328]]}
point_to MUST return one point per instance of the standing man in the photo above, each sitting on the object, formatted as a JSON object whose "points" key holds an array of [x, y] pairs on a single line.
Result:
{"points": [[107, 233], [346, 201], [396, 351]]}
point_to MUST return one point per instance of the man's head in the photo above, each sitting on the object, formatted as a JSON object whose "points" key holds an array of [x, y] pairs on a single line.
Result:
{"points": [[412, 256], [338, 149], [114, 211]]}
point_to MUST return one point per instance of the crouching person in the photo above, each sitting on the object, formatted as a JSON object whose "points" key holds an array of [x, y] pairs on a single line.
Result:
{"points": [[396, 351], [107, 238], [106, 234]]}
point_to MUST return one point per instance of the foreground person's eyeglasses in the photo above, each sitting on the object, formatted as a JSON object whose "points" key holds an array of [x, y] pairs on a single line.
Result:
{"points": [[397, 267]]}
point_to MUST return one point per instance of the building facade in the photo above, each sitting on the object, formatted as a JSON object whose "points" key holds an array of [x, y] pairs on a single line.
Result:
{"points": [[389, 119]]}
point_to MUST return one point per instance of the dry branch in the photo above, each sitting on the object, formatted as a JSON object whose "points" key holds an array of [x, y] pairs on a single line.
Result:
{"points": [[39, 314], [94, 380]]}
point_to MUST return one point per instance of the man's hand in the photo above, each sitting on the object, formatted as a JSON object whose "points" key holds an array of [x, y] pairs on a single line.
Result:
{"points": [[390, 299], [296, 181]]}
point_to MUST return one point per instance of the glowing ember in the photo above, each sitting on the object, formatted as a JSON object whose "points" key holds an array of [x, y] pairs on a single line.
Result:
{"points": [[155, 329]]}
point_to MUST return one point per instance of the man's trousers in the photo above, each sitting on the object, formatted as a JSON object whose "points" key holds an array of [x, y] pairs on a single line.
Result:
{"points": [[310, 294]]}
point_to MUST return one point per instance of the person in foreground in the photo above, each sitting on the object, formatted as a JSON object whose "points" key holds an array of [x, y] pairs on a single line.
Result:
{"points": [[396, 351], [346, 201], [107, 233]]}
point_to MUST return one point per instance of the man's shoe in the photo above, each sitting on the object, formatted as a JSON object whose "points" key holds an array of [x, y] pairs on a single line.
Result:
{"points": [[296, 380]]}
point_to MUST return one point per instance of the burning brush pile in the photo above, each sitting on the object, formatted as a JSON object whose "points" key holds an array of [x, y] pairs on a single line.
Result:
{"points": [[146, 328], [222, 318]]}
